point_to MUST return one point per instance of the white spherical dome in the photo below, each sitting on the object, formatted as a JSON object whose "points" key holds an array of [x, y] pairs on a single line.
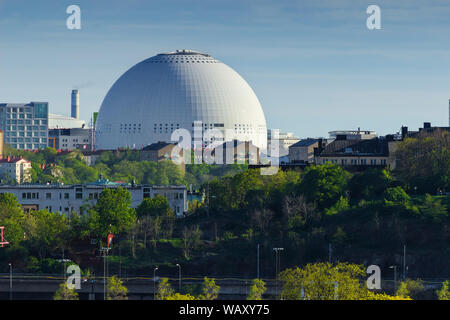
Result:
{"points": [[172, 90]]}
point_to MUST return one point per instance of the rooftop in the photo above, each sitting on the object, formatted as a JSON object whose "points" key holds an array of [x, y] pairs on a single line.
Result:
{"points": [[11, 159], [305, 143], [372, 147], [156, 146]]}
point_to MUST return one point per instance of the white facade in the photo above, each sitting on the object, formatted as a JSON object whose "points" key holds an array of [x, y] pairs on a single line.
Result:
{"points": [[70, 139], [77, 198], [285, 140], [16, 169], [57, 121], [353, 134], [172, 90]]}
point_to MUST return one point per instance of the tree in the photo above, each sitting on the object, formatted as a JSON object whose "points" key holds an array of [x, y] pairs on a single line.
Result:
{"points": [[156, 206], [341, 205], [257, 289], [115, 289], [261, 220], [324, 281], [50, 231], [210, 291], [179, 296], [396, 195], [433, 208], [150, 226], [424, 161], [64, 293], [12, 218], [369, 184], [444, 292], [112, 212], [411, 288], [298, 211], [155, 217], [324, 184], [191, 240], [164, 289]]}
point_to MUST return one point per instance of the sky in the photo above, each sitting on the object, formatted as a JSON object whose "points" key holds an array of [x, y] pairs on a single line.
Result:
{"points": [[314, 65]]}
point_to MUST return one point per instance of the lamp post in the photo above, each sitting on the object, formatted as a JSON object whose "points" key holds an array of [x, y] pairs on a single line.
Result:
{"points": [[257, 262], [10, 281], [154, 283], [277, 262], [395, 277], [179, 278]]}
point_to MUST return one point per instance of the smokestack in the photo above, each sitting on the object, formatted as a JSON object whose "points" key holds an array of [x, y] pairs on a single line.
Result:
{"points": [[75, 111]]}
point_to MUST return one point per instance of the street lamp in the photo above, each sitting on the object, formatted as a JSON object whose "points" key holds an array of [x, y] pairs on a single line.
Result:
{"points": [[395, 276], [10, 281], [154, 283], [179, 278], [277, 262]]}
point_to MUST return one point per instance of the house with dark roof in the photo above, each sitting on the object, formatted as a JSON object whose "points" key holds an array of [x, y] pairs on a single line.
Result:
{"points": [[232, 152], [303, 151], [366, 152], [157, 151]]}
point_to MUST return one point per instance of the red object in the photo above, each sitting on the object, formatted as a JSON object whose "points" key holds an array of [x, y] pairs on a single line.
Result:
{"points": [[109, 239], [3, 242]]}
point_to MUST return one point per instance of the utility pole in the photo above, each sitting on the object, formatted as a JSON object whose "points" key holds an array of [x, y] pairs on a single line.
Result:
{"points": [[105, 274], [404, 262], [179, 278], [10, 281], [329, 252], [395, 277], [257, 262], [277, 263], [154, 283]]}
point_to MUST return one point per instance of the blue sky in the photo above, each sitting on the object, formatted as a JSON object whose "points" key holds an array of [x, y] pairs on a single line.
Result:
{"points": [[313, 64]]}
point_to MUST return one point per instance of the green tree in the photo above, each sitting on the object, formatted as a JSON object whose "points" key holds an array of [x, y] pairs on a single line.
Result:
{"points": [[12, 218], [179, 296], [191, 240], [64, 293], [156, 206], [341, 205], [164, 289], [324, 281], [50, 231], [210, 291], [115, 289], [324, 184], [257, 289], [424, 161], [444, 292], [433, 208], [411, 288], [369, 184], [397, 195], [112, 213]]}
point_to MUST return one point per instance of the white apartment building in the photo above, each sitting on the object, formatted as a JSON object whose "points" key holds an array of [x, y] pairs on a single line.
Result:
{"points": [[78, 198], [18, 169]]}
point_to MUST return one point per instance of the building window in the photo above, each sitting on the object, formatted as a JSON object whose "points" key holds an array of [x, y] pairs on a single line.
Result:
{"points": [[48, 195], [78, 193]]}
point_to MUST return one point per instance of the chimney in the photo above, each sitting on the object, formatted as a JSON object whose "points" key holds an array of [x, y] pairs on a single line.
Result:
{"points": [[426, 125], [404, 132], [75, 110]]}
